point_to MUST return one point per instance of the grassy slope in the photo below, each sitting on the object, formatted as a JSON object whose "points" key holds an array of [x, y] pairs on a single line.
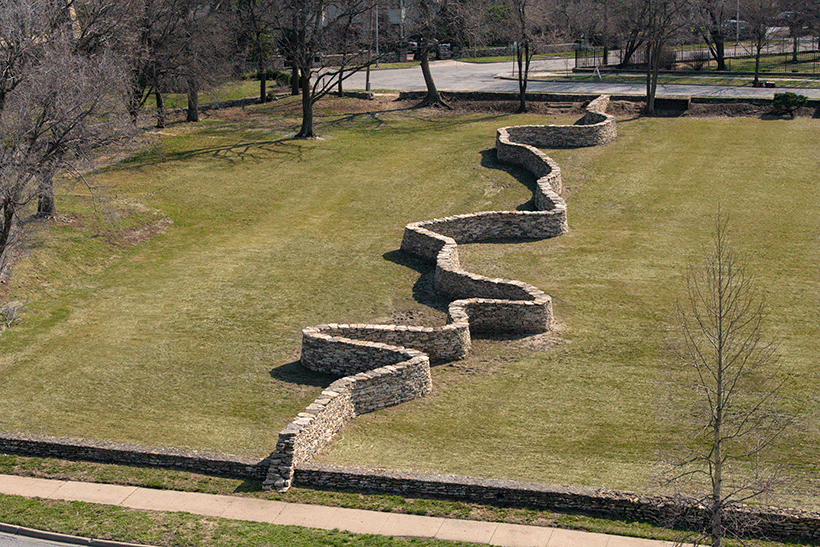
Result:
{"points": [[587, 412], [189, 339]]}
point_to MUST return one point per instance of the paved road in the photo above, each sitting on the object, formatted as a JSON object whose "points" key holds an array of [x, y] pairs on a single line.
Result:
{"points": [[461, 76]]}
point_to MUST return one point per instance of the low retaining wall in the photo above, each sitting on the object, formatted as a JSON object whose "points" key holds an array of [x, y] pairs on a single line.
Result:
{"points": [[481, 304], [219, 465], [660, 510], [778, 524]]}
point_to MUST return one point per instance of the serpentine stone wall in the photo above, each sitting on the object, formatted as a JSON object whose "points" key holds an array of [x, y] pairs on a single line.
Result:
{"points": [[377, 367]]}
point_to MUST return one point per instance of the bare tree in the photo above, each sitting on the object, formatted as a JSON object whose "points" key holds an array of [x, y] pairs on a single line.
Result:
{"points": [[347, 32], [724, 364], [710, 16], [176, 42], [427, 23], [523, 51], [758, 14], [663, 19], [59, 104], [256, 30], [629, 17], [199, 53], [306, 28]]}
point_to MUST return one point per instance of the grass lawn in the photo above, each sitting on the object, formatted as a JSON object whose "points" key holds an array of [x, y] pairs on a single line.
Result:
{"points": [[586, 412], [114, 523], [189, 338]]}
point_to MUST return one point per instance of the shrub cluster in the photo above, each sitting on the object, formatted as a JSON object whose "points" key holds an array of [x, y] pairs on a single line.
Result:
{"points": [[787, 103]]}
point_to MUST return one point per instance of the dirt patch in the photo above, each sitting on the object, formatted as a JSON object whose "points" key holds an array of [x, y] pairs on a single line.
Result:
{"points": [[139, 233], [726, 110], [625, 109]]}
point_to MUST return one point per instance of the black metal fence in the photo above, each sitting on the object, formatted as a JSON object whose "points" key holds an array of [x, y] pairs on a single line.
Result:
{"points": [[777, 56]]}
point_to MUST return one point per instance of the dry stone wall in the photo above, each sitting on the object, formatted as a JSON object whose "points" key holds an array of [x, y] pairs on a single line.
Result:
{"points": [[594, 129], [377, 366], [399, 374]]}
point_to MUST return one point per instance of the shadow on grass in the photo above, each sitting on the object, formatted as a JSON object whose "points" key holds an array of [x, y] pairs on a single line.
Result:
{"points": [[245, 150], [154, 155], [295, 373], [489, 160], [423, 289], [352, 118], [248, 487], [432, 117]]}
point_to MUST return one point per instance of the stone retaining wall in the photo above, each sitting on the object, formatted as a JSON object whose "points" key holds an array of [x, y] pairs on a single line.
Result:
{"points": [[481, 304], [786, 524], [63, 448], [342, 401], [771, 523]]}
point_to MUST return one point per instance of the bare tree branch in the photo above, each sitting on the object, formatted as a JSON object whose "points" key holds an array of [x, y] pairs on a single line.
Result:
{"points": [[723, 360]]}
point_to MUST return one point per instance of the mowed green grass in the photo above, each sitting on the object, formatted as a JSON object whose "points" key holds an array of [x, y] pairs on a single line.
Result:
{"points": [[587, 412], [189, 338]]}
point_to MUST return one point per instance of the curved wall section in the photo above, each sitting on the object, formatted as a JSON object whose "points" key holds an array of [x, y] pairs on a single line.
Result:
{"points": [[377, 366]]}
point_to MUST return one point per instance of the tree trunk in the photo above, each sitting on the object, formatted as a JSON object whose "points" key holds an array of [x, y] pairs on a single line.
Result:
{"points": [[653, 64], [433, 97], [134, 100], [160, 108], [720, 53], [632, 45], [294, 79], [193, 101], [306, 131], [8, 210], [717, 425], [523, 58], [46, 207], [262, 72], [757, 66]]}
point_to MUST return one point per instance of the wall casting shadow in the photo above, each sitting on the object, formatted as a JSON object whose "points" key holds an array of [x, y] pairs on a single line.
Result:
{"points": [[295, 373], [489, 160], [423, 291]]}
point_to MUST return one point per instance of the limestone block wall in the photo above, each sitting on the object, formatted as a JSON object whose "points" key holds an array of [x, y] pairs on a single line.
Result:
{"points": [[448, 343], [509, 316], [342, 401], [786, 524], [772, 523], [594, 129], [377, 367]]}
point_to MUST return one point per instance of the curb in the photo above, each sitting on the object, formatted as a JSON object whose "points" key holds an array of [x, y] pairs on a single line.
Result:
{"points": [[62, 538]]}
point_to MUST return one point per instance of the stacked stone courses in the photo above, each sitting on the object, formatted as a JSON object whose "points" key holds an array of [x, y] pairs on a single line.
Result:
{"points": [[377, 366], [362, 391]]}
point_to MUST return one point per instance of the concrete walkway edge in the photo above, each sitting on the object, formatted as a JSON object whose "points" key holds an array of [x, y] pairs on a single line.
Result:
{"points": [[296, 514]]}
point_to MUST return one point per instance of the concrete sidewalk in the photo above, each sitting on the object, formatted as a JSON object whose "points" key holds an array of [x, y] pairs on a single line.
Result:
{"points": [[314, 516]]}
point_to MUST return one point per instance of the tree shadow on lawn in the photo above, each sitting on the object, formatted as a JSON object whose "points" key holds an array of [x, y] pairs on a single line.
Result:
{"points": [[154, 155], [243, 150], [437, 118]]}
